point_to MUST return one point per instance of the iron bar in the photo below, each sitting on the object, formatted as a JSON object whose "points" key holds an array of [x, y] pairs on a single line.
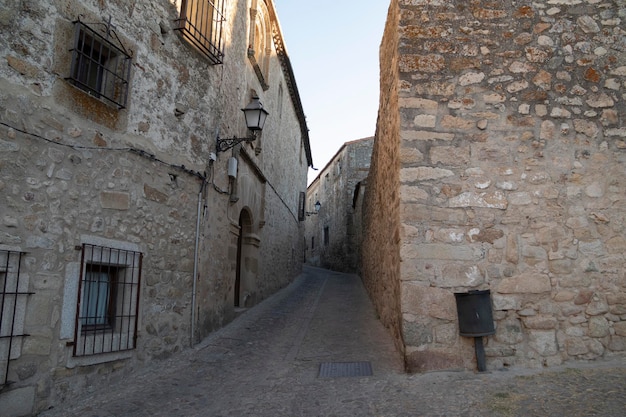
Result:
{"points": [[108, 293], [11, 270]]}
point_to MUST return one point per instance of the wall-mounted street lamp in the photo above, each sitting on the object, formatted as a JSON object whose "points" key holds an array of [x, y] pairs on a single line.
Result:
{"points": [[255, 116], [316, 207]]}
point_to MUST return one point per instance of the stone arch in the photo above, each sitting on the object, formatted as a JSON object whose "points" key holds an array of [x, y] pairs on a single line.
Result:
{"points": [[244, 292], [247, 218]]}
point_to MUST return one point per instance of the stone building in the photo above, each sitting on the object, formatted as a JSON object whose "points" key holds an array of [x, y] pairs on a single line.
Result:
{"points": [[499, 164], [332, 234], [126, 233]]}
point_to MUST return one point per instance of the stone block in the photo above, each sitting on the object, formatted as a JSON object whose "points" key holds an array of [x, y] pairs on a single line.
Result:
{"points": [[616, 245], [596, 347], [425, 301], [153, 194], [616, 298], [597, 306], [425, 120], [440, 251], [561, 266], [598, 327], [8, 146], [412, 32], [421, 63], [459, 275], [505, 303], [540, 322], [417, 334], [564, 295], [412, 193], [449, 235], [550, 233], [410, 156], [509, 331], [425, 135], [575, 346], [446, 334], [451, 156], [518, 67], [617, 344], [456, 123], [25, 68], [418, 103], [486, 235], [600, 100], [543, 342], [620, 328], [583, 296], [530, 282], [433, 360], [511, 251], [496, 200], [517, 86], [521, 198], [423, 174], [471, 78], [115, 200]]}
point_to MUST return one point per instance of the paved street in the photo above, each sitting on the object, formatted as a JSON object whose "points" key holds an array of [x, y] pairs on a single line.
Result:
{"points": [[266, 363]]}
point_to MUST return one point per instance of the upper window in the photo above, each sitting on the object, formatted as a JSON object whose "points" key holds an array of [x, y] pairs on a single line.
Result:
{"points": [[260, 43], [108, 301], [200, 23], [99, 67], [301, 199]]}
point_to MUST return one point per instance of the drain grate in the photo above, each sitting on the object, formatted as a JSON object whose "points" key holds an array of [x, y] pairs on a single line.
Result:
{"points": [[344, 369]]}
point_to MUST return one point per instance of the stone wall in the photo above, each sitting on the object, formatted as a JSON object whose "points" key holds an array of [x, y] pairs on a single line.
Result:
{"points": [[335, 188], [75, 170], [380, 250], [512, 177]]}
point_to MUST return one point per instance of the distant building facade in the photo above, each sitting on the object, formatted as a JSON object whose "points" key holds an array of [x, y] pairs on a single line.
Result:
{"points": [[332, 234], [499, 165], [125, 235]]}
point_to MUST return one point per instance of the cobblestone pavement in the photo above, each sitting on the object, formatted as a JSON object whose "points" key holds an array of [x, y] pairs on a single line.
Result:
{"points": [[266, 363]]}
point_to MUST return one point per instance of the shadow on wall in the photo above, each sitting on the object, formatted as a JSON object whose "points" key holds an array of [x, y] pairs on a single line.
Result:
{"points": [[337, 258]]}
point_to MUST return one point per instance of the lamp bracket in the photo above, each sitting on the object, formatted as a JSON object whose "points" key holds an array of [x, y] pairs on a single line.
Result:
{"points": [[227, 143]]}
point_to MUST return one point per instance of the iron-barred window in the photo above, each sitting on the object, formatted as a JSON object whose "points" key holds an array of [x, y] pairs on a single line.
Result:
{"points": [[200, 23], [301, 202], [13, 293], [99, 66], [108, 301]]}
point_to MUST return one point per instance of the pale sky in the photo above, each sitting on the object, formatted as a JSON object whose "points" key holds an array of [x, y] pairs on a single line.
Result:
{"points": [[333, 48]]}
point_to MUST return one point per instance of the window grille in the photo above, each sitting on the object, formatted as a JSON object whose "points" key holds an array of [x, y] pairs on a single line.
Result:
{"points": [[99, 67], [200, 23], [301, 202], [108, 300], [326, 236], [13, 292]]}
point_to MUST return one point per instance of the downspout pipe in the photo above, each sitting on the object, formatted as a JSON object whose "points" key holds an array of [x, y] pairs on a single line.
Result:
{"points": [[195, 268]]}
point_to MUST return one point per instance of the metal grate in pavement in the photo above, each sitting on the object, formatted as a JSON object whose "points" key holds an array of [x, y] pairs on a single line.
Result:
{"points": [[344, 369]]}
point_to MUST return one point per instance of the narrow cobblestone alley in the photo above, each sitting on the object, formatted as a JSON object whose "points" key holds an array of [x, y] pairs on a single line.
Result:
{"points": [[266, 363]]}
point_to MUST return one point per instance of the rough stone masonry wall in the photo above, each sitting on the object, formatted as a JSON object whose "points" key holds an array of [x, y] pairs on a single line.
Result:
{"points": [[66, 174], [380, 251], [513, 138], [334, 188]]}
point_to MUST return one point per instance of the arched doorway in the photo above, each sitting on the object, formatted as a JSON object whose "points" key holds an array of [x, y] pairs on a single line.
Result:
{"points": [[243, 288]]}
